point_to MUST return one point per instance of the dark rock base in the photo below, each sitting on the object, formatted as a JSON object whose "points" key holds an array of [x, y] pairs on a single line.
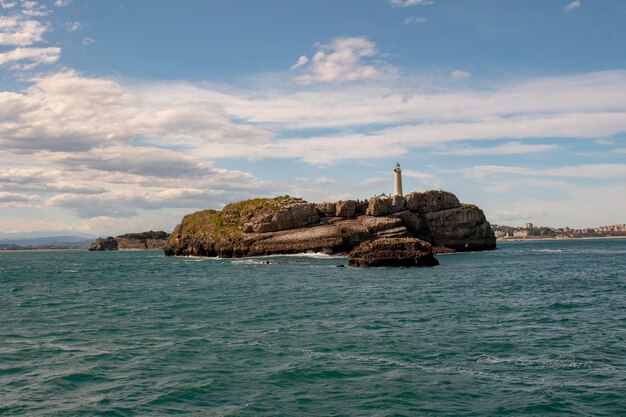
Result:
{"points": [[393, 252]]}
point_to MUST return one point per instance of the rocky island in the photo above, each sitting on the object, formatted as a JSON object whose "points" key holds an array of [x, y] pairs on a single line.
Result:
{"points": [[131, 241], [399, 230]]}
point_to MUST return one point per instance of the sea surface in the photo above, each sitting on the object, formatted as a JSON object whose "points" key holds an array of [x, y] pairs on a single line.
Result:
{"points": [[533, 328]]}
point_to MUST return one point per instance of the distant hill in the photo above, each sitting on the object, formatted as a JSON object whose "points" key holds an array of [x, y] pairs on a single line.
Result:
{"points": [[44, 242], [38, 234]]}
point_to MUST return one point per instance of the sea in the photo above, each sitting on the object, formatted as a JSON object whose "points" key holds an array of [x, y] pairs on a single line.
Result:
{"points": [[532, 328]]}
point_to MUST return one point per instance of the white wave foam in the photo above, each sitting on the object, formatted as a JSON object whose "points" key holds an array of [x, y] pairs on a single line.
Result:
{"points": [[547, 363], [316, 255]]}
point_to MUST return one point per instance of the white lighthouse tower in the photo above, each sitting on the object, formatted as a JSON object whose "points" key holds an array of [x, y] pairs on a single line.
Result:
{"points": [[397, 186]]}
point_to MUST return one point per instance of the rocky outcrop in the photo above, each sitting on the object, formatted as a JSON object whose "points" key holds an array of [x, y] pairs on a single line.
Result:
{"points": [[430, 201], [383, 205], [393, 252], [346, 209], [462, 229], [292, 225], [290, 216], [140, 244], [414, 223], [325, 238], [131, 241], [103, 244], [353, 232], [326, 208]]}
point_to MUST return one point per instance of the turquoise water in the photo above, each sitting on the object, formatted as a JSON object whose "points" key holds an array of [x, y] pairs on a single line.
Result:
{"points": [[533, 328]]}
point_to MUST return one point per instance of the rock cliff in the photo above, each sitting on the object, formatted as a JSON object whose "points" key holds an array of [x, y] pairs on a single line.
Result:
{"points": [[291, 225], [131, 241]]}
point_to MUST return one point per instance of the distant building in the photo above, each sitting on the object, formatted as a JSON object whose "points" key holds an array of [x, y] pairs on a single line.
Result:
{"points": [[520, 233], [528, 226], [613, 228]]}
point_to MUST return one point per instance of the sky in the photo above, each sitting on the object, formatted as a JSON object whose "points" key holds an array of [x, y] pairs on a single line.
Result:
{"points": [[119, 116]]}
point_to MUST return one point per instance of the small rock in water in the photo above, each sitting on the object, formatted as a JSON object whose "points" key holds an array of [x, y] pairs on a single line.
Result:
{"points": [[393, 252]]}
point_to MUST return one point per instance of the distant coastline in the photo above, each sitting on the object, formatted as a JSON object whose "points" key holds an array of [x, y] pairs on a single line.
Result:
{"points": [[522, 239], [4, 250]]}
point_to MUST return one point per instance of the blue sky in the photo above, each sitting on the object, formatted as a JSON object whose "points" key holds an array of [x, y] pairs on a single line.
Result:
{"points": [[120, 116]]}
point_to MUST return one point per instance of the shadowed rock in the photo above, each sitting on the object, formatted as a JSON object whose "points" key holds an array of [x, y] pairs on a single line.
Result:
{"points": [[103, 244], [393, 252], [346, 209]]}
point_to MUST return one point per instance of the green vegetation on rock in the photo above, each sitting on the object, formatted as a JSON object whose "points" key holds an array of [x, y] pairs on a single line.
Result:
{"points": [[229, 222], [145, 235]]}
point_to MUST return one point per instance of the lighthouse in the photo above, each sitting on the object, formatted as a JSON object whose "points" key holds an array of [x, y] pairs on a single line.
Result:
{"points": [[397, 186]]}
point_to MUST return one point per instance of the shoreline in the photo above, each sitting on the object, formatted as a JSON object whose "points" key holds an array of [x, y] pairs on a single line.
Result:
{"points": [[42, 250], [534, 239], [73, 250]]}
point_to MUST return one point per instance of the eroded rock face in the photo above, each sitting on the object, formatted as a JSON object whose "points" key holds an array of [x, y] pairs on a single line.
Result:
{"points": [[379, 224], [346, 209], [140, 244], [326, 208], [353, 232], [462, 229], [312, 239], [290, 217], [430, 201], [383, 205], [413, 222], [393, 252], [379, 206]]}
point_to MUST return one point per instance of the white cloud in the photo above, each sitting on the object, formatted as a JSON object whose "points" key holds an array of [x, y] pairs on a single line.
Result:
{"points": [[15, 197], [460, 74], [347, 59], [18, 200], [414, 19], [588, 171], [509, 148], [17, 31], [30, 225], [580, 206], [73, 26], [62, 3], [408, 3], [34, 9], [33, 56], [5, 4], [66, 111], [573, 5], [325, 182], [50, 180], [300, 62], [88, 41]]}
